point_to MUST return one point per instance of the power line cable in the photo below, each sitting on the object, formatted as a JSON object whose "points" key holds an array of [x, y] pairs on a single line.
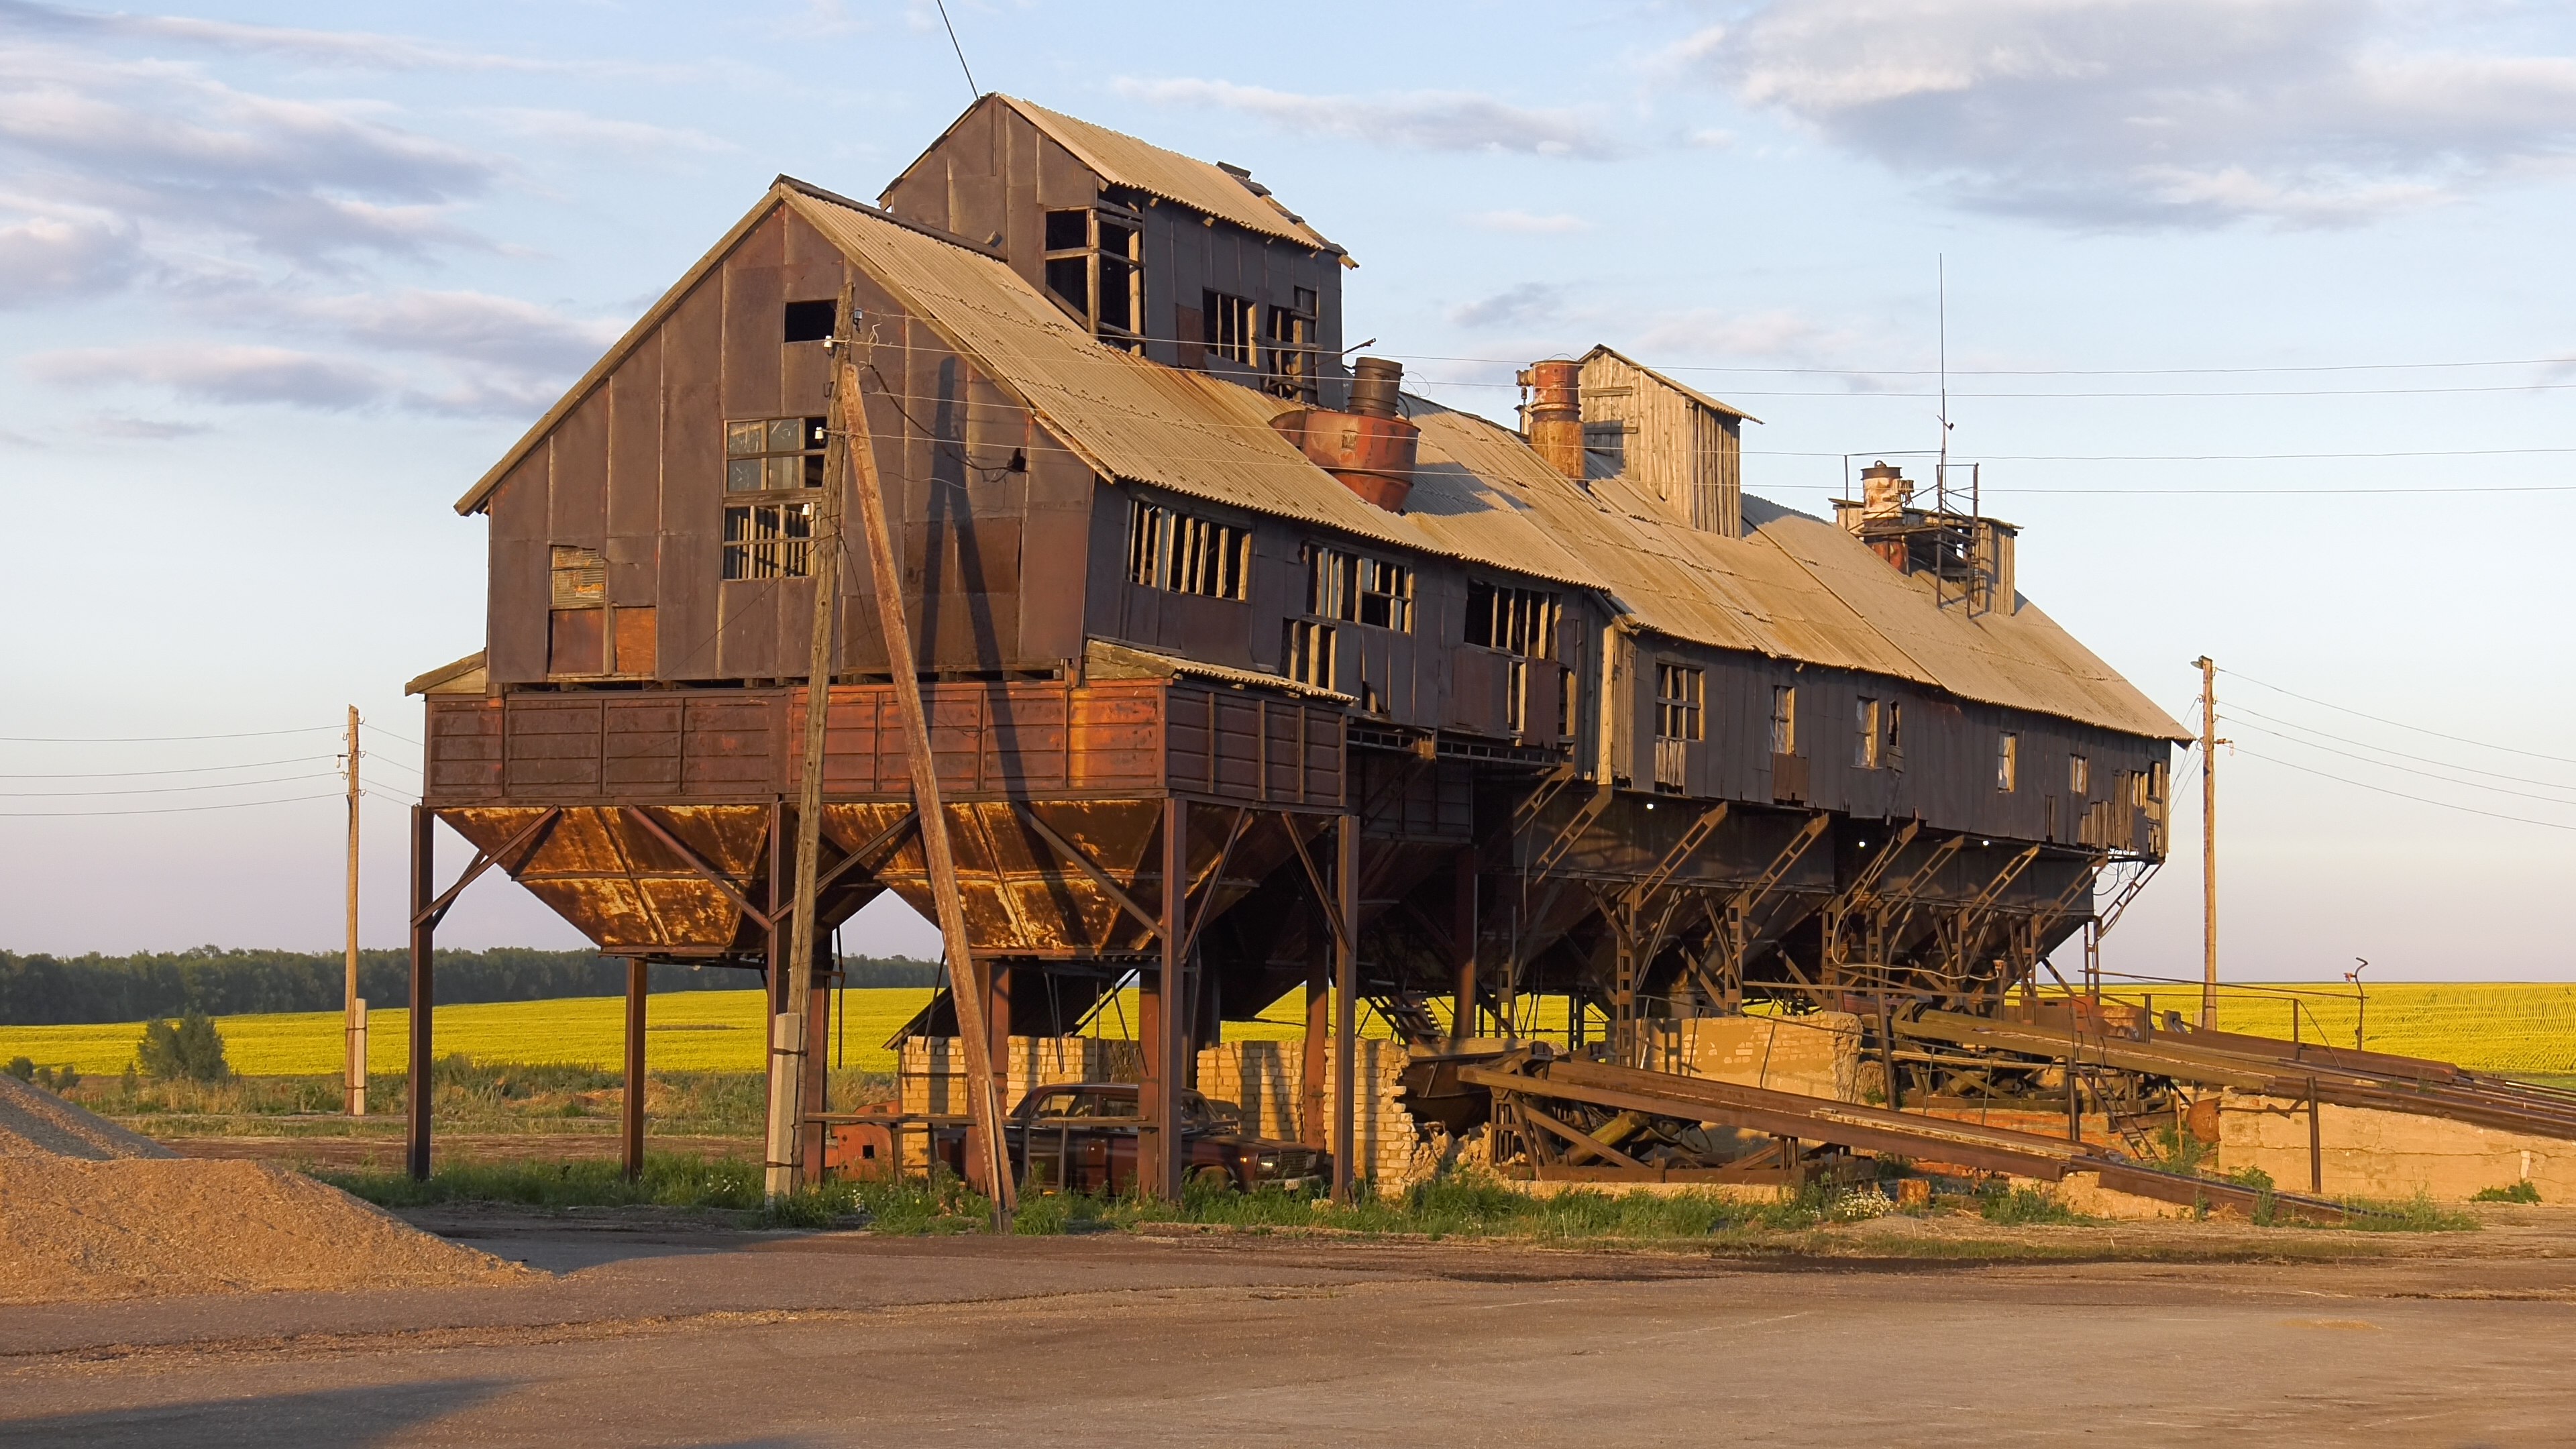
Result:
{"points": [[406, 739], [972, 89], [2038, 371], [2405, 769], [164, 810], [188, 770], [157, 739], [2397, 724], [2241, 710], [165, 789], [2402, 795]]}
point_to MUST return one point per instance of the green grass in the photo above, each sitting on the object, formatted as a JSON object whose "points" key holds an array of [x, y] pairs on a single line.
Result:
{"points": [[2524, 1191], [724, 1185]]}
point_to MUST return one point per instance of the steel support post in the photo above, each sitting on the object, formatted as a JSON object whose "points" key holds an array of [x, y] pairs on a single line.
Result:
{"points": [[631, 1110], [1311, 1130], [1160, 1164], [818, 1067], [424, 995], [1462, 944], [1346, 986]]}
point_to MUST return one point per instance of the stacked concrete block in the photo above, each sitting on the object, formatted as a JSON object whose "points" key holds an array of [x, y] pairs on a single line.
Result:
{"points": [[2387, 1155], [1266, 1079], [1817, 1055]]}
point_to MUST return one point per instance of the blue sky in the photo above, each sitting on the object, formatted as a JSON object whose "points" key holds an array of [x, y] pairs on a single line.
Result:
{"points": [[2258, 314]]}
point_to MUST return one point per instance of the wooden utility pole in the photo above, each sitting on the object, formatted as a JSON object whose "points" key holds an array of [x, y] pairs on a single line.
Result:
{"points": [[965, 982], [787, 1169], [2209, 743], [353, 1072]]}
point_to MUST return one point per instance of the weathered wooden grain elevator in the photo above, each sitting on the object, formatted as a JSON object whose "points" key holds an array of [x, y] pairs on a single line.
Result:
{"points": [[1245, 670]]}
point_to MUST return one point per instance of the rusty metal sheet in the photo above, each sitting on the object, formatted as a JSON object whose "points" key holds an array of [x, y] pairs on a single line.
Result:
{"points": [[1122, 160], [619, 886]]}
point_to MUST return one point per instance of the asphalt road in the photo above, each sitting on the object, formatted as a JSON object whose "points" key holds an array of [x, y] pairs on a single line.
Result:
{"points": [[679, 1337]]}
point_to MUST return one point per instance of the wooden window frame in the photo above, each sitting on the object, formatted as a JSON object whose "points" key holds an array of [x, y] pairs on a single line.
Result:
{"points": [[1231, 326], [1356, 588], [1097, 249], [767, 540], [1185, 553], [1784, 719], [755, 449], [1681, 694], [1866, 715], [1307, 652], [2007, 761], [1512, 620]]}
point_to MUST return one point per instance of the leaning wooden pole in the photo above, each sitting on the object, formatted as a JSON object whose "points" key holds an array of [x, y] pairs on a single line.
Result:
{"points": [[983, 1099]]}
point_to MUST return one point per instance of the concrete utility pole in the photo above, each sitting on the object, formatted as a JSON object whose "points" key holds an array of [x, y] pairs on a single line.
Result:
{"points": [[2209, 743], [353, 1074], [787, 1168]]}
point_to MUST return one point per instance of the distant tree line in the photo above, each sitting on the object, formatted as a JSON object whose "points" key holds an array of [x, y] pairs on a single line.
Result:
{"points": [[41, 990]]}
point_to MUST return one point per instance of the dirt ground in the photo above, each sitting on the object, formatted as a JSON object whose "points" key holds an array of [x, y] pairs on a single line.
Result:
{"points": [[387, 1153], [650, 1328]]}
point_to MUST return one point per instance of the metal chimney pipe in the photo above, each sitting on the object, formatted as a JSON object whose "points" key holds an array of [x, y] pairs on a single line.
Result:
{"points": [[1554, 415], [1375, 384]]}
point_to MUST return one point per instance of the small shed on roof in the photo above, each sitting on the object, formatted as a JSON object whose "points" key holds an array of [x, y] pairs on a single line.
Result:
{"points": [[1675, 443]]}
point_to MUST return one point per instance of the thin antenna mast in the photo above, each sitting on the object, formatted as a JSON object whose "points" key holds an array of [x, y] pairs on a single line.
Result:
{"points": [[961, 50]]}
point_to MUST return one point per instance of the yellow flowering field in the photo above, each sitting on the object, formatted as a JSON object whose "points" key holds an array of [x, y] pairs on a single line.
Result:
{"points": [[2527, 1027], [695, 1031]]}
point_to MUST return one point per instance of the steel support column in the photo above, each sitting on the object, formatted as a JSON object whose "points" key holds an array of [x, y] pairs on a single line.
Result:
{"points": [[1161, 1156], [631, 1110], [1462, 944], [1346, 986], [424, 995], [1311, 1129]]}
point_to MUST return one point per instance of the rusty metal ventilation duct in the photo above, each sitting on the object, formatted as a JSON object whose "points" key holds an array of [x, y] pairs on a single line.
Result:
{"points": [[1553, 417], [1368, 447]]}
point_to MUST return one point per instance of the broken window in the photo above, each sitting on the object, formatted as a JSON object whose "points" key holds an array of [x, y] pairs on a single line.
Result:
{"points": [[1168, 549], [1865, 736], [2007, 760], [2079, 776], [1895, 753], [1784, 719], [768, 540], [772, 455], [1288, 345], [1228, 322], [810, 321], [1095, 267], [1307, 655], [1519, 621], [1371, 591], [1678, 695], [1605, 449]]}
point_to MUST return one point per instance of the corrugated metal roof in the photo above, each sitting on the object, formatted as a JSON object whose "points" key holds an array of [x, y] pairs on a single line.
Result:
{"points": [[1694, 394], [1795, 587], [1126, 161]]}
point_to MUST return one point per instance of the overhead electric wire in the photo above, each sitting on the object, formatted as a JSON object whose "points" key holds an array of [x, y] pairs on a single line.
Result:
{"points": [[2040, 371], [2407, 769], [165, 789], [2402, 795], [2397, 724], [2241, 710], [186, 770], [158, 739], [380, 729], [162, 810]]}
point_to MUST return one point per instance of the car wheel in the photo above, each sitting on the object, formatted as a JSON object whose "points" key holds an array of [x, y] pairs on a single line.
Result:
{"points": [[1215, 1179]]}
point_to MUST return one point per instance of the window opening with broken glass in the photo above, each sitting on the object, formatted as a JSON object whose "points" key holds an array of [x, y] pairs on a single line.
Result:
{"points": [[1169, 549]]}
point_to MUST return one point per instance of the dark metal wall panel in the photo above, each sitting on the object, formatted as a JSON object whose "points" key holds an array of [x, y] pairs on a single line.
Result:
{"points": [[463, 761], [754, 299], [692, 442], [747, 628], [577, 487], [633, 544], [519, 584]]}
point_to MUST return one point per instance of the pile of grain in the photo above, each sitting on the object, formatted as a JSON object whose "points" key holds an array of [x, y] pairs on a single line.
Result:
{"points": [[89, 1210]]}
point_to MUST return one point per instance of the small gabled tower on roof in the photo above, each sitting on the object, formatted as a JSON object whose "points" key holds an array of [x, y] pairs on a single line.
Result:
{"points": [[1191, 263]]}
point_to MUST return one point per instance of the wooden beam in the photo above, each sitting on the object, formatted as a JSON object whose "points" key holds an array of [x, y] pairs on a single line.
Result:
{"points": [[983, 1102], [1579, 1138]]}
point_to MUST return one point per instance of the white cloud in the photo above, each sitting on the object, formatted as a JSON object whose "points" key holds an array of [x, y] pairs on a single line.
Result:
{"points": [[575, 130], [2150, 113], [50, 256], [1426, 120], [1526, 303], [189, 160], [345, 48], [1543, 224], [218, 374]]}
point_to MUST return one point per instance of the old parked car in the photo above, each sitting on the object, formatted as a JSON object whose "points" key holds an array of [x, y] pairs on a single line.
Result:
{"points": [[1082, 1136]]}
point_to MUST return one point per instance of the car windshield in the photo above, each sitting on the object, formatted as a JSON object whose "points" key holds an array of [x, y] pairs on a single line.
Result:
{"points": [[1121, 1105], [1053, 1104]]}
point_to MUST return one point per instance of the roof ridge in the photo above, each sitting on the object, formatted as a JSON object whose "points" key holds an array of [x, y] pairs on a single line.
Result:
{"points": [[803, 187]]}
